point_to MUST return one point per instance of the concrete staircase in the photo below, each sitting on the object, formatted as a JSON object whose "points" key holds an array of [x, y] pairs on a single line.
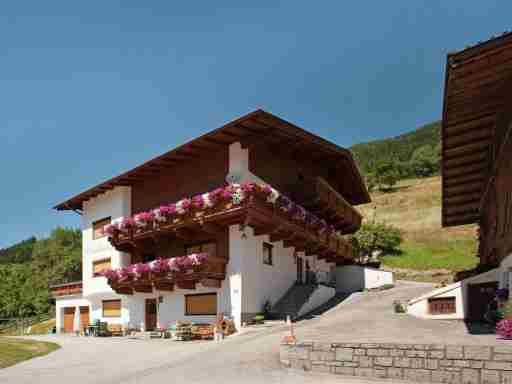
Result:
{"points": [[292, 301]]}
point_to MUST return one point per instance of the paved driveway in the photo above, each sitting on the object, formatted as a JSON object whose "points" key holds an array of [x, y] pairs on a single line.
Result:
{"points": [[251, 358], [369, 317]]}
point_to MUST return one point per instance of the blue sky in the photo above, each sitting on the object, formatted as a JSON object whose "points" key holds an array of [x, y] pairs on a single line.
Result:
{"points": [[90, 89]]}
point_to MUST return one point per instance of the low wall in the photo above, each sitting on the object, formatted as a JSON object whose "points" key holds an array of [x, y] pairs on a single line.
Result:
{"points": [[353, 278], [413, 362]]}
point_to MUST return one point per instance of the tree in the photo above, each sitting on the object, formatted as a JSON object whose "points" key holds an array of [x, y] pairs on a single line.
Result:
{"points": [[375, 236], [386, 174], [425, 161]]}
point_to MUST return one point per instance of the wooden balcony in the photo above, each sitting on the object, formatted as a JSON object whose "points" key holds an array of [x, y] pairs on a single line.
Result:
{"points": [[209, 274], [306, 233], [320, 198], [66, 289]]}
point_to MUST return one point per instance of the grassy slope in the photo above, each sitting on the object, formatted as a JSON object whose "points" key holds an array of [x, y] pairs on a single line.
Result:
{"points": [[13, 351], [415, 207]]}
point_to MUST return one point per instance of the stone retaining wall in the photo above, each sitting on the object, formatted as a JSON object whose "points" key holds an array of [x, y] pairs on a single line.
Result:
{"points": [[413, 362]]}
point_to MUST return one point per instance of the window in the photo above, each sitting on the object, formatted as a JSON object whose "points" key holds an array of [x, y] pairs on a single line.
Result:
{"points": [[267, 253], [441, 305], [97, 228], [99, 266], [207, 247], [200, 305], [111, 308]]}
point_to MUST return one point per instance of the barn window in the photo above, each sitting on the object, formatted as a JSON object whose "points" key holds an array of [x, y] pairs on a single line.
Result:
{"points": [[97, 228], [111, 308], [99, 266], [441, 305], [200, 305]]}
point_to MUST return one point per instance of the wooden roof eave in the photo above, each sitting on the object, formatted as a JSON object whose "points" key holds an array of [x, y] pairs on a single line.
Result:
{"points": [[212, 138]]}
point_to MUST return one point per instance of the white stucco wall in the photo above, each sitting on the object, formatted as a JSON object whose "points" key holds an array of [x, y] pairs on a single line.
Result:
{"points": [[115, 204], [320, 296], [353, 278], [418, 307], [239, 164], [64, 302]]}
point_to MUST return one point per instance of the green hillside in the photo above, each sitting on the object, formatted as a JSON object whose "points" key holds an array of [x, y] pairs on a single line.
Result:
{"points": [[29, 267], [399, 149]]}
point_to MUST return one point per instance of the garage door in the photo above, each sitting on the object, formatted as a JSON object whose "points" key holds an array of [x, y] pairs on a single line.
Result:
{"points": [[69, 315], [479, 298]]}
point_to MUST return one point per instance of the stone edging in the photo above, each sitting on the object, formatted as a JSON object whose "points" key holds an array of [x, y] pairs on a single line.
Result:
{"points": [[435, 363]]}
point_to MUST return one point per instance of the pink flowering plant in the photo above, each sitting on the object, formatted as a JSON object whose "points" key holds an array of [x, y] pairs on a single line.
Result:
{"points": [[504, 329]]}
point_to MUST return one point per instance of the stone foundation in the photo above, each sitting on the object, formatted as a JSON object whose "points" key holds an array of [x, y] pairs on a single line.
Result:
{"points": [[413, 362]]}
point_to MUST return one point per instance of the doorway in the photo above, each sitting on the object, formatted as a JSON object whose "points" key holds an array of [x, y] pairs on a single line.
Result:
{"points": [[479, 298], [300, 270], [69, 317], [151, 314]]}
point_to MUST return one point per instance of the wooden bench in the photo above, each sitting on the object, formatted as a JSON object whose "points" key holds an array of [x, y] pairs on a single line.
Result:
{"points": [[115, 329]]}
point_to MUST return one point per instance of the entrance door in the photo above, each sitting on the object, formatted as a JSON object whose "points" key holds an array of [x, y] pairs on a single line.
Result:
{"points": [[69, 316], [150, 314], [479, 297], [300, 270], [84, 317]]}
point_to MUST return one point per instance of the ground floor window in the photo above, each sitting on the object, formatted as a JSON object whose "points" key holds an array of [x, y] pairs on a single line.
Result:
{"points": [[441, 305], [111, 308], [99, 266], [201, 304]]}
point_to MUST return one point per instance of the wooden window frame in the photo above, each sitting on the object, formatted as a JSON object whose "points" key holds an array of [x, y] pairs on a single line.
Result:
{"points": [[110, 301], [432, 301], [94, 274], [269, 247], [187, 313], [200, 244], [95, 223]]}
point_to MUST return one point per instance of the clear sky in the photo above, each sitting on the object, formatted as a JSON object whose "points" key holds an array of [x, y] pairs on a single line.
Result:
{"points": [[89, 89]]}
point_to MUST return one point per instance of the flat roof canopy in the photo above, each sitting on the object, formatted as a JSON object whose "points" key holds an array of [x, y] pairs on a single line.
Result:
{"points": [[475, 85], [255, 127]]}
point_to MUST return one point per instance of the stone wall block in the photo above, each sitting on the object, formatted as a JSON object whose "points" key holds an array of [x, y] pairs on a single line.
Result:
{"points": [[490, 377], [499, 365], [420, 347], [503, 349], [395, 373], [364, 361], [506, 378], [377, 352], [322, 347], [397, 352], [360, 352], [369, 345], [417, 375], [384, 361], [476, 364], [416, 353], [432, 364], [503, 357], [454, 352], [446, 363], [477, 353], [402, 362], [471, 376], [344, 371], [380, 373], [436, 354], [320, 368], [344, 354], [446, 377], [461, 363], [417, 363], [363, 372], [350, 364]]}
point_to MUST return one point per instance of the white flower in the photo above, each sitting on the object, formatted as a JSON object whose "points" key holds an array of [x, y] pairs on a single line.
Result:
{"points": [[179, 207], [206, 199], [238, 196], [158, 215], [274, 195]]}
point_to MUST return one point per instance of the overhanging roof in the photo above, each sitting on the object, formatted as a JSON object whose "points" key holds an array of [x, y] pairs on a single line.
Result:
{"points": [[257, 126], [473, 98]]}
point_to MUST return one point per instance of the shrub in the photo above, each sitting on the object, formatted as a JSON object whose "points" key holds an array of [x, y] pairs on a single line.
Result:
{"points": [[377, 237], [398, 307]]}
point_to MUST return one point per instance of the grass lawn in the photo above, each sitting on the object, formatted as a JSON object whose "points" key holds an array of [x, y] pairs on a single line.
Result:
{"points": [[13, 351], [455, 254]]}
